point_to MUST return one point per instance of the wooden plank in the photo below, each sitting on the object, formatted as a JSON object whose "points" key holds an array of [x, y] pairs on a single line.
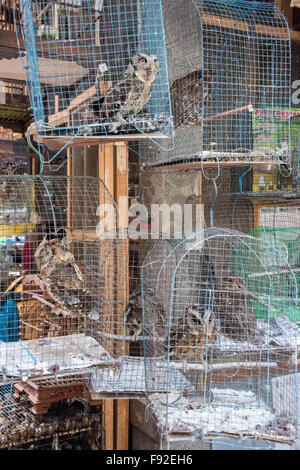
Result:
{"points": [[206, 164], [90, 94], [121, 191], [122, 409], [108, 436], [243, 26], [56, 143], [258, 205], [105, 169], [295, 35]]}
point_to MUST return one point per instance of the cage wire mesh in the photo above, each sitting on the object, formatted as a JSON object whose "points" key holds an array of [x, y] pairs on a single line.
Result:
{"points": [[214, 364], [230, 74], [96, 67], [63, 280], [66, 426]]}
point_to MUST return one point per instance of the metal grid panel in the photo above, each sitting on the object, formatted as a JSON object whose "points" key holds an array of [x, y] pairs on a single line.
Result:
{"points": [[202, 298], [100, 63]]}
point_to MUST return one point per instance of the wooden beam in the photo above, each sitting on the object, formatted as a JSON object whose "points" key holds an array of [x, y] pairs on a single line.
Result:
{"points": [[56, 143], [105, 169], [243, 26], [197, 165], [121, 197], [108, 437]]}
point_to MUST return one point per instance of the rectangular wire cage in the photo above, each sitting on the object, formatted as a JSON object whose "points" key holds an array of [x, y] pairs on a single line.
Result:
{"points": [[229, 68], [96, 67], [63, 284]]}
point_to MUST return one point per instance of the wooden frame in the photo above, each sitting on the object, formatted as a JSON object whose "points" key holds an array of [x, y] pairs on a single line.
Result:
{"points": [[259, 204]]}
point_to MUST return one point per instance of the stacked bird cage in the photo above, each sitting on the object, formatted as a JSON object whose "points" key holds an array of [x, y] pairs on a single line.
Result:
{"points": [[63, 288], [96, 68], [213, 369], [66, 426], [229, 73]]}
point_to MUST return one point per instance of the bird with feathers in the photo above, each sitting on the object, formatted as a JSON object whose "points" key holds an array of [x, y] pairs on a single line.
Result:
{"points": [[126, 98], [235, 310], [62, 278], [191, 333], [188, 95], [8, 187]]}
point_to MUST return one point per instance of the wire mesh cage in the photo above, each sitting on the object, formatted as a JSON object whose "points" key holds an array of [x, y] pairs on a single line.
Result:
{"points": [[230, 76], [96, 67], [220, 315], [67, 426], [63, 281]]}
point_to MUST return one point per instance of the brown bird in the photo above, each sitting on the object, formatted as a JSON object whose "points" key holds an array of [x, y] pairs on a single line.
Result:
{"points": [[188, 94], [235, 310], [8, 186], [63, 278], [126, 98], [191, 334], [134, 313]]}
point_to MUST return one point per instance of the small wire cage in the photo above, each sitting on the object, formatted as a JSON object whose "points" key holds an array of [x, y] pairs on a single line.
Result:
{"points": [[229, 66], [220, 316], [63, 279], [66, 426], [96, 67]]}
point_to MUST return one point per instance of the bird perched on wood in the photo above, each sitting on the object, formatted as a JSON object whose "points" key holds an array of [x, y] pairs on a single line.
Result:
{"points": [[191, 333], [126, 98], [188, 94], [63, 278], [235, 310]]}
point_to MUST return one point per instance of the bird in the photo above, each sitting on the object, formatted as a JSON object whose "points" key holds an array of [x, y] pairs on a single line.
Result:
{"points": [[235, 310], [8, 186], [134, 313], [188, 94], [63, 279], [126, 98], [191, 333]]}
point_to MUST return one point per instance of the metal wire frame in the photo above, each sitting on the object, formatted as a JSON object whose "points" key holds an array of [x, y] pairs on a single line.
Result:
{"points": [[211, 312], [64, 422], [63, 284], [77, 52], [229, 68]]}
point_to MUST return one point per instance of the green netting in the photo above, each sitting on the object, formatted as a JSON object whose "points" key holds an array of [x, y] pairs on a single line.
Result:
{"points": [[272, 270]]}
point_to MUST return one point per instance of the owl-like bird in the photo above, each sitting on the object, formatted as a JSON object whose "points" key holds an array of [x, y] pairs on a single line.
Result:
{"points": [[235, 310], [63, 278], [191, 334], [134, 314], [7, 186], [126, 98], [188, 94]]}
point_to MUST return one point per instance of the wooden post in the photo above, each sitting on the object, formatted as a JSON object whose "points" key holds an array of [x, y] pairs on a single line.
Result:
{"points": [[105, 172], [113, 170], [121, 197]]}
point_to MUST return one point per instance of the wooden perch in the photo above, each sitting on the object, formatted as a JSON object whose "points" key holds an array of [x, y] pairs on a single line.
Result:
{"points": [[56, 310], [260, 301], [184, 366], [231, 112]]}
